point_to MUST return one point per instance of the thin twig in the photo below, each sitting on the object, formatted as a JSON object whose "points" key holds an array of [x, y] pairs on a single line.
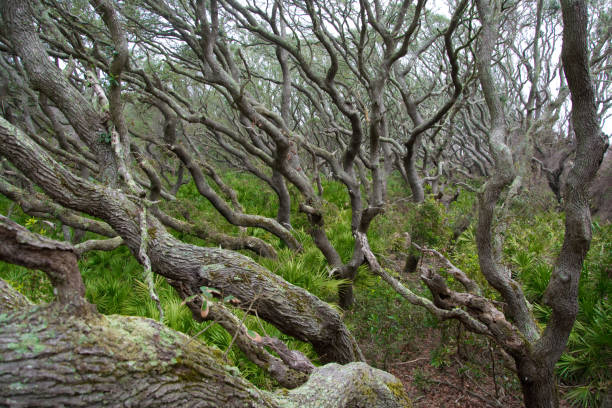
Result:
{"points": [[239, 327], [199, 333], [411, 361]]}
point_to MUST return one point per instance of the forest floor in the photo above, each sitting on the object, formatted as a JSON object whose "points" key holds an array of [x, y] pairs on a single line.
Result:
{"points": [[441, 366], [453, 385]]}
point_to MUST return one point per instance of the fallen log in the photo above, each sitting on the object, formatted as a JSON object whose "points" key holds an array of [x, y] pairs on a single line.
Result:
{"points": [[49, 357]]}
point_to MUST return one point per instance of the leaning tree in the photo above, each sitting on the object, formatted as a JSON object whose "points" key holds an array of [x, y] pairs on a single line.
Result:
{"points": [[363, 91], [109, 192], [100, 183], [67, 354], [514, 328], [188, 62]]}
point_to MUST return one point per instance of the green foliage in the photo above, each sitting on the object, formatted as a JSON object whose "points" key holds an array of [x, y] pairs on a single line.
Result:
{"points": [[531, 248], [462, 212], [587, 362], [532, 242], [34, 284], [440, 356], [112, 282], [585, 396], [589, 356], [465, 255], [382, 321], [105, 138], [308, 270], [429, 224], [421, 379], [335, 192]]}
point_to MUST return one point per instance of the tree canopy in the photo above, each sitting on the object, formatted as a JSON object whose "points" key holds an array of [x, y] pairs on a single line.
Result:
{"points": [[110, 109]]}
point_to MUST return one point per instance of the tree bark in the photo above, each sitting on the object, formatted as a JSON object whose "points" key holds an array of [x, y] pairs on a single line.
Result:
{"points": [[416, 184], [234, 217], [537, 383], [187, 267], [57, 259], [10, 299], [49, 80], [283, 216], [51, 358]]}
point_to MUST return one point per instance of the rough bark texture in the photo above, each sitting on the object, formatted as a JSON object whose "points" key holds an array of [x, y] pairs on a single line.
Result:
{"points": [[37, 203], [50, 358], [57, 259], [504, 173], [10, 299], [292, 309], [562, 291], [538, 382], [286, 375], [202, 229], [233, 216], [206, 231], [601, 190], [48, 79], [188, 267], [516, 330], [536, 358]]}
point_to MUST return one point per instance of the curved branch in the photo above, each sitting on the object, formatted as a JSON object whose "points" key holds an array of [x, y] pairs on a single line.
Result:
{"points": [[57, 259], [188, 267]]}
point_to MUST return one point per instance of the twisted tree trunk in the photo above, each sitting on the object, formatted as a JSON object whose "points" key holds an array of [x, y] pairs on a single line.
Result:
{"points": [[52, 358], [188, 267]]}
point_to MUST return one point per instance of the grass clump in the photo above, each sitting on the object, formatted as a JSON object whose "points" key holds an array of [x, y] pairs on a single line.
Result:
{"points": [[382, 321]]}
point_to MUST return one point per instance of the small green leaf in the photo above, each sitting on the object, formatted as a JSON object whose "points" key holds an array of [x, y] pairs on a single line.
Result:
{"points": [[233, 300], [208, 292], [189, 299]]}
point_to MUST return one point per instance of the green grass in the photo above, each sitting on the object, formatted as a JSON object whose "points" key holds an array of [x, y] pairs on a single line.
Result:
{"points": [[114, 283], [382, 321], [532, 246]]}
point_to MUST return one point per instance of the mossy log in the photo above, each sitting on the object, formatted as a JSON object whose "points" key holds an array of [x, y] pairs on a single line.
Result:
{"points": [[50, 358]]}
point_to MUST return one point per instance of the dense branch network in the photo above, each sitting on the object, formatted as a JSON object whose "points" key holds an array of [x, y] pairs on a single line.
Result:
{"points": [[108, 110]]}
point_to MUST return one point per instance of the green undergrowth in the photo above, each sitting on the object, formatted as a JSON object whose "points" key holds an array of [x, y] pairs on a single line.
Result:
{"points": [[385, 325], [532, 243], [120, 290], [34, 284]]}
